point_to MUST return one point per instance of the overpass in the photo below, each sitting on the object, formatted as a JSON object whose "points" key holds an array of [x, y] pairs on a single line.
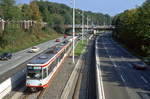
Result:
{"points": [[95, 27]]}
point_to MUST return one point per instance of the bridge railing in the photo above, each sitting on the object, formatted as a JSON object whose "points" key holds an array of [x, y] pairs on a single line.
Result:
{"points": [[91, 26], [24, 24]]}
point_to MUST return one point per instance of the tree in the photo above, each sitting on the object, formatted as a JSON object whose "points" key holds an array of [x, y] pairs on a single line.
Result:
{"points": [[133, 28], [35, 13], [9, 10], [58, 23], [26, 12]]}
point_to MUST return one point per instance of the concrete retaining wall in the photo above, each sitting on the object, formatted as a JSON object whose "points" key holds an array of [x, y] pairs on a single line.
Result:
{"points": [[8, 85]]}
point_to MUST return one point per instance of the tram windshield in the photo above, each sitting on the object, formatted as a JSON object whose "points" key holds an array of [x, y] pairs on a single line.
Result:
{"points": [[34, 73]]}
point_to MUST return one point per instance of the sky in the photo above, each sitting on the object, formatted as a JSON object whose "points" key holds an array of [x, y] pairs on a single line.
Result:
{"points": [[111, 7]]}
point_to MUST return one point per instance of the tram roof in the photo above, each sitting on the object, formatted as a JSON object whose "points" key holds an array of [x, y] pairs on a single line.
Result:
{"points": [[47, 55]]}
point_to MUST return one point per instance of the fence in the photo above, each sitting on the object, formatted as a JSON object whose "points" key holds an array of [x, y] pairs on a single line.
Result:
{"points": [[24, 24]]}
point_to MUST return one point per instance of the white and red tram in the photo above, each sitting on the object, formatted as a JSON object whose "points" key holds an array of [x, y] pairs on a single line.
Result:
{"points": [[42, 69]]}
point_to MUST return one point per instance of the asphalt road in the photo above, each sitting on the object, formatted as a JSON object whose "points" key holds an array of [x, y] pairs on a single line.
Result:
{"points": [[22, 56], [120, 80]]}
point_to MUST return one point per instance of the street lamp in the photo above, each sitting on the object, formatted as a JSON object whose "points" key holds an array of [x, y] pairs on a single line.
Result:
{"points": [[82, 24], [73, 30], [87, 23], [82, 14]]}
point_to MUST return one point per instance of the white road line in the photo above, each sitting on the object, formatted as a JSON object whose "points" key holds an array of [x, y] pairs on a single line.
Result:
{"points": [[17, 57], [99, 77], [122, 78], [110, 57], [126, 61], [144, 79], [115, 65]]}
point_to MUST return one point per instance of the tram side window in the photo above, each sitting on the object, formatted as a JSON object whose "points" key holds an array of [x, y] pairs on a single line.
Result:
{"points": [[44, 73], [51, 67], [67, 48], [62, 55]]}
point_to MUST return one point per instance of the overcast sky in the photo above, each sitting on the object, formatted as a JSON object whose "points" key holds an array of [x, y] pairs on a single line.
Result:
{"points": [[111, 7]]}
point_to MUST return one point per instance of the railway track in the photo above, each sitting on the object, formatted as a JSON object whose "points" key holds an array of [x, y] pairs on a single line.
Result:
{"points": [[78, 84], [85, 88], [34, 95]]}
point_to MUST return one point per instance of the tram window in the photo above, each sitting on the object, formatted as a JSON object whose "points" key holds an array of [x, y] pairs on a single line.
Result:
{"points": [[44, 73], [67, 48], [62, 55], [56, 61], [51, 67], [34, 74]]}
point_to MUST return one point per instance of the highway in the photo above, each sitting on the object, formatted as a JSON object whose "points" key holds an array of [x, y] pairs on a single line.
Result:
{"points": [[119, 79], [22, 56]]}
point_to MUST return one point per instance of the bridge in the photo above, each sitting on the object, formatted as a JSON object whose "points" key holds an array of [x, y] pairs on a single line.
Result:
{"points": [[95, 27]]}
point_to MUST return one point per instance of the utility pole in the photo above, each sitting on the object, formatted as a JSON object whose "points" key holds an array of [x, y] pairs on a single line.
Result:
{"points": [[82, 24], [87, 23], [73, 31]]}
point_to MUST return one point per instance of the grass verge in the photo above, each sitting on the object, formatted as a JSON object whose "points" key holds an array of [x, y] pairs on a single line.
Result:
{"points": [[28, 41], [80, 46]]}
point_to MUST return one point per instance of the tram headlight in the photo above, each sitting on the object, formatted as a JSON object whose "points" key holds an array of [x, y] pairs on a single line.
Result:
{"points": [[28, 77]]}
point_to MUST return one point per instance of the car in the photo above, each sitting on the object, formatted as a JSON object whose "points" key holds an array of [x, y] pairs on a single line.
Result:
{"points": [[57, 40], [70, 40], [6, 56], [34, 49], [139, 66], [65, 36]]}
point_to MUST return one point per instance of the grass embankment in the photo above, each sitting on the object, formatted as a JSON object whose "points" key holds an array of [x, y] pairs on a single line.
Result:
{"points": [[80, 46], [25, 40]]}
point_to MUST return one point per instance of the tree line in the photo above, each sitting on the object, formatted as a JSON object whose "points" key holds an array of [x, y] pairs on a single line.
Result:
{"points": [[56, 15], [133, 28]]}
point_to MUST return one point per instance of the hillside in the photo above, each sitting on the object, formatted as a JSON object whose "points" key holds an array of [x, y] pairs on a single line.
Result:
{"points": [[15, 38]]}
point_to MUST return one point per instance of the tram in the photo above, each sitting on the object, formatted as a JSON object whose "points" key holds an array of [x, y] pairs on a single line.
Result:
{"points": [[42, 69]]}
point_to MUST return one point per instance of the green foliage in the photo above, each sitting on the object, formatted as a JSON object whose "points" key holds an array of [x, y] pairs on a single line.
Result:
{"points": [[58, 23], [56, 15], [35, 13], [80, 47], [14, 39], [26, 12], [47, 8], [10, 35], [9, 11], [133, 29]]}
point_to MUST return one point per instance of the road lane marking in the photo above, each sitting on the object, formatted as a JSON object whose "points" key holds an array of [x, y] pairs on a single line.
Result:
{"points": [[99, 77], [1, 65], [122, 57], [122, 78], [115, 65], [110, 57], [16, 58], [144, 79]]}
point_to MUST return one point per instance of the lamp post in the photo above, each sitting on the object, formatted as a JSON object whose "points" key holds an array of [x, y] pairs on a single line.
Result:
{"points": [[87, 23], [73, 30], [82, 24]]}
